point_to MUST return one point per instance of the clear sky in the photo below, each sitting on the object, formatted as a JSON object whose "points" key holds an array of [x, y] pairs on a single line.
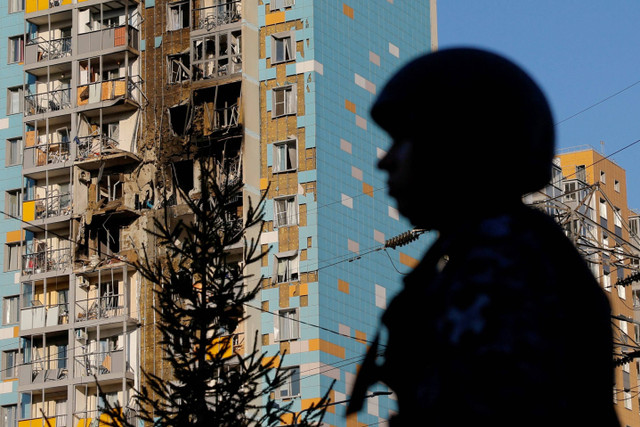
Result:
{"points": [[583, 53]]}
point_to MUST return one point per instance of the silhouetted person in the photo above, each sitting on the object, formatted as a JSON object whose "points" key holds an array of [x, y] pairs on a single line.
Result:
{"points": [[502, 323]]}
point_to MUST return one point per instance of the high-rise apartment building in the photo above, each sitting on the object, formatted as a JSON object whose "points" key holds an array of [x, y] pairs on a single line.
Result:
{"points": [[588, 197], [109, 102]]}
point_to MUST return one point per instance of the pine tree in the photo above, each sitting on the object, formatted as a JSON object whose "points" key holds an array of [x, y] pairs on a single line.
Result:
{"points": [[202, 297]]}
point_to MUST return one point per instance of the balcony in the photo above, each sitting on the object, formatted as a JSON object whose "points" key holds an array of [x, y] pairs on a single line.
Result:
{"points": [[104, 307], [109, 90], [40, 316], [46, 261], [211, 17], [95, 146], [46, 154], [46, 102], [53, 421], [44, 370], [53, 205], [41, 50], [108, 38], [100, 363]]}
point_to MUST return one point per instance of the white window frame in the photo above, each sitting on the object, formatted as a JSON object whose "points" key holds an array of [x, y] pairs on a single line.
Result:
{"points": [[284, 101], [12, 256], [291, 386], [288, 325], [9, 416], [281, 4], [15, 100], [11, 310], [617, 217], [603, 209], [283, 47], [16, 6], [13, 203], [285, 156], [177, 70], [9, 370], [287, 267], [176, 15], [15, 50], [285, 211], [13, 152]]}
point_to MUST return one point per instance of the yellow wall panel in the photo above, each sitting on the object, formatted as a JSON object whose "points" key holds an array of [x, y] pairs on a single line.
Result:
{"points": [[274, 18], [14, 236], [43, 4], [29, 211], [31, 6]]}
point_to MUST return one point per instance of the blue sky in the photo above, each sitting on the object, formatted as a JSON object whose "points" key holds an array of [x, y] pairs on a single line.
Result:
{"points": [[581, 52]]}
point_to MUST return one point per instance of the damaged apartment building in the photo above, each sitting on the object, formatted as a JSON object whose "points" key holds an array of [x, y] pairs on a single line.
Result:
{"points": [[120, 101]]}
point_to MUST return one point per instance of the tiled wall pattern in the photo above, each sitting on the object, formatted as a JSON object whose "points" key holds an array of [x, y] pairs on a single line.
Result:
{"points": [[344, 52], [11, 26]]}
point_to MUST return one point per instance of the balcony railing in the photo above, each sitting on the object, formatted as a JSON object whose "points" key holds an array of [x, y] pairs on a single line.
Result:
{"points": [[39, 49], [55, 100], [39, 316], [43, 370], [46, 261], [46, 154], [211, 17], [104, 307], [120, 36], [100, 363], [94, 145], [51, 206], [108, 90]]}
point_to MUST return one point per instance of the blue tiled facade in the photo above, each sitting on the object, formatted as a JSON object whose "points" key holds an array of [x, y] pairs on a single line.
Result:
{"points": [[346, 51], [11, 26]]}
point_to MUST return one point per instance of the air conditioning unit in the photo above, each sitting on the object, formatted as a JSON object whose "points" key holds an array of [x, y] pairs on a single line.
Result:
{"points": [[81, 335], [288, 3]]}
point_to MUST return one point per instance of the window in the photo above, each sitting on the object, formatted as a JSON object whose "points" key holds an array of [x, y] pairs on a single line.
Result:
{"points": [[13, 155], [8, 417], [16, 49], [281, 4], [616, 185], [288, 325], [177, 16], [603, 177], [284, 101], [14, 100], [570, 191], [287, 267], [603, 208], [285, 211], [16, 6], [216, 55], [12, 203], [285, 156], [617, 217], [282, 48], [9, 364], [291, 386], [10, 310], [178, 70], [11, 256]]}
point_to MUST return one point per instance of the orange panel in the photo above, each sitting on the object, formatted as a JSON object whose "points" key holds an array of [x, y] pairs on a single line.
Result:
{"points": [[274, 18]]}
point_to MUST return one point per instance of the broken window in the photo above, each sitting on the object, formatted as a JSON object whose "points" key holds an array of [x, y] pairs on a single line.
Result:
{"points": [[217, 55], [177, 16], [183, 171], [178, 71], [284, 101], [285, 156], [281, 4], [285, 211], [282, 47]]}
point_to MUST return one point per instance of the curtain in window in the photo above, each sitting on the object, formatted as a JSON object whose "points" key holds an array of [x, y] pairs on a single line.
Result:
{"points": [[15, 101], [174, 18]]}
